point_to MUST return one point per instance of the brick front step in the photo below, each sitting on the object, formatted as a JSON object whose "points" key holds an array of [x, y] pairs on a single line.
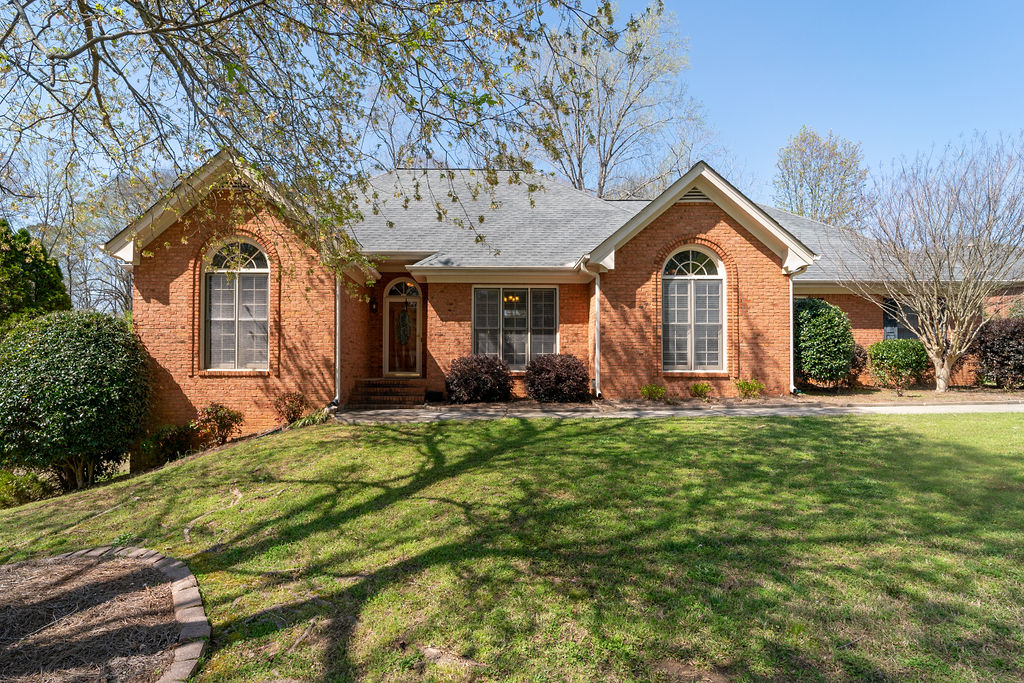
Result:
{"points": [[388, 392]]}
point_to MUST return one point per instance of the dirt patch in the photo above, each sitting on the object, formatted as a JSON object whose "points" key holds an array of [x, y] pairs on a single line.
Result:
{"points": [[85, 620], [675, 670], [914, 395]]}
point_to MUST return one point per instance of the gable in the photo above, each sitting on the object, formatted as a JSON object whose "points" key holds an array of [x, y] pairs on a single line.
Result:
{"points": [[703, 184]]}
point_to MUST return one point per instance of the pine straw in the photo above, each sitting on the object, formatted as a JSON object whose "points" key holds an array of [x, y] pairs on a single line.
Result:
{"points": [[85, 620]]}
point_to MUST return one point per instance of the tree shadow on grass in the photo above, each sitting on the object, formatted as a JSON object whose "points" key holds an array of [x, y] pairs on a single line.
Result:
{"points": [[769, 549]]}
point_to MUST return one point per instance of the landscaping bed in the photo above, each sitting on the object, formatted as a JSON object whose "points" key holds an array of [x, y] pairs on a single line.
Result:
{"points": [[913, 395], [840, 548], [84, 619]]}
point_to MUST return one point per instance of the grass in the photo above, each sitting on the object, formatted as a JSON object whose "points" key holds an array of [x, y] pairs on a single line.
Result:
{"points": [[883, 548]]}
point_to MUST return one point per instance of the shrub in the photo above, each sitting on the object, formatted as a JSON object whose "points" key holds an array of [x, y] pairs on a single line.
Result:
{"points": [[18, 489], [858, 361], [897, 363], [999, 350], [73, 395], [478, 378], [290, 406], [701, 390], [652, 392], [749, 388], [215, 424], [557, 378], [317, 417], [166, 444], [823, 345]]}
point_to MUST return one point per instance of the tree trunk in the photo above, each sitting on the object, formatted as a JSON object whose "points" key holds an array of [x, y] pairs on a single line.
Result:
{"points": [[943, 372]]}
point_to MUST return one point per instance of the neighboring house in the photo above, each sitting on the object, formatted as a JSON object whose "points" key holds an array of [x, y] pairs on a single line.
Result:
{"points": [[696, 285]]}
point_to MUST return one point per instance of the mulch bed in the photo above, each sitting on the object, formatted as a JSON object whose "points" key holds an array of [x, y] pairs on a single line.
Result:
{"points": [[84, 619]]}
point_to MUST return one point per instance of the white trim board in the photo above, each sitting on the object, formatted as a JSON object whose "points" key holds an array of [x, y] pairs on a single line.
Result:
{"points": [[795, 254]]}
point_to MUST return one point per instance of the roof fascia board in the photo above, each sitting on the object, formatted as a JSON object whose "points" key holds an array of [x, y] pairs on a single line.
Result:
{"points": [[730, 200], [499, 275], [164, 212]]}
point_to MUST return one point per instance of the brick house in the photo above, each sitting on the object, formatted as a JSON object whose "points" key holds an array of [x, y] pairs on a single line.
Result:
{"points": [[696, 285]]}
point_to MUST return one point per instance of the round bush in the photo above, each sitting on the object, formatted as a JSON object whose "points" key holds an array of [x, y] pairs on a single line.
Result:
{"points": [[999, 349], [824, 342], [478, 378], [73, 395], [557, 378], [897, 363]]}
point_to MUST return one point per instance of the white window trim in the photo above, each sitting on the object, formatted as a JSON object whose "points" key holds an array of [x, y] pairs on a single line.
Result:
{"points": [[720, 266], [388, 298], [204, 322], [501, 318]]}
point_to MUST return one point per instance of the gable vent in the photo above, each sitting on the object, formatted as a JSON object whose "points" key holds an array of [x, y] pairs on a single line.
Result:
{"points": [[237, 184], [693, 195]]}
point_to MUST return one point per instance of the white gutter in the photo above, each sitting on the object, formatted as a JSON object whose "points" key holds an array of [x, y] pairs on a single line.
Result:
{"points": [[597, 334]]}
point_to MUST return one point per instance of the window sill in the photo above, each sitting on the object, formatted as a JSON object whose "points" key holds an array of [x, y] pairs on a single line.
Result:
{"points": [[713, 374], [234, 373]]}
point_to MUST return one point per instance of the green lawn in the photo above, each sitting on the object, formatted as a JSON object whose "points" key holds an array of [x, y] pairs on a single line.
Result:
{"points": [[884, 548]]}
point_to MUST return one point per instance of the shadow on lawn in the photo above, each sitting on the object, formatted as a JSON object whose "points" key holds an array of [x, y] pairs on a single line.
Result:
{"points": [[645, 526]]}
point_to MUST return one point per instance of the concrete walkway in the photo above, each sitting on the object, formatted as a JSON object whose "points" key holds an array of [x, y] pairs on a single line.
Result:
{"points": [[439, 413]]}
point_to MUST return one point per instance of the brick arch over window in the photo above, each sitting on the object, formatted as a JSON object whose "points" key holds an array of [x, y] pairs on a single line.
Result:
{"points": [[732, 289], [198, 259]]}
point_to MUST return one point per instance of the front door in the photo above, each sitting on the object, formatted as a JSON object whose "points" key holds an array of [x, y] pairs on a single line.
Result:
{"points": [[402, 330]]}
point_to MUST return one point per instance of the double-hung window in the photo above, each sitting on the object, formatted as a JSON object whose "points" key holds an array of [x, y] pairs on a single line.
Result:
{"points": [[893, 326], [515, 323], [692, 313], [237, 282]]}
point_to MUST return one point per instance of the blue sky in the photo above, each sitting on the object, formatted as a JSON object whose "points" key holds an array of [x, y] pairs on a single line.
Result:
{"points": [[897, 76]]}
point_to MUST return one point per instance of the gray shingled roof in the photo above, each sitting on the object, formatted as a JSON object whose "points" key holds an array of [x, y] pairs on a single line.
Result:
{"points": [[836, 259], [552, 226]]}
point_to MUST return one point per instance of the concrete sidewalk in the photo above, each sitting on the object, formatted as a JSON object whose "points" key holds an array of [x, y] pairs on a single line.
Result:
{"points": [[454, 412]]}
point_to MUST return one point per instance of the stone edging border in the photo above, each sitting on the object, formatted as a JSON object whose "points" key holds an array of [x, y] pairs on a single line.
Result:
{"points": [[188, 604]]}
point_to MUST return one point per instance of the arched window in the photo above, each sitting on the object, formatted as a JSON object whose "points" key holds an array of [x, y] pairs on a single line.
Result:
{"points": [[237, 280], [692, 311]]}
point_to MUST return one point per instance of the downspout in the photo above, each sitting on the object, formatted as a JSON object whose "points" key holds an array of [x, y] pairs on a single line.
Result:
{"points": [[597, 334], [792, 330], [792, 346], [336, 402]]}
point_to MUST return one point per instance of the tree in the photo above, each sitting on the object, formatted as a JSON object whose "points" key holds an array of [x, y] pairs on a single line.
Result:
{"points": [[944, 236], [615, 118], [73, 395], [822, 178], [130, 89], [30, 280]]}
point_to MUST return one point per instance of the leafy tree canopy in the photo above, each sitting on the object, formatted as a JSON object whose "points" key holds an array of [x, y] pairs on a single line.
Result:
{"points": [[822, 178], [30, 280], [295, 89]]}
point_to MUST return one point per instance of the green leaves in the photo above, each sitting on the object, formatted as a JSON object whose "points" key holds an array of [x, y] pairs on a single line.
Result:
{"points": [[73, 395], [823, 341]]}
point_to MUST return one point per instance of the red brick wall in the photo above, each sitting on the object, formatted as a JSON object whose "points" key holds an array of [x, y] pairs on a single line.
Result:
{"points": [[450, 325], [168, 318], [757, 306]]}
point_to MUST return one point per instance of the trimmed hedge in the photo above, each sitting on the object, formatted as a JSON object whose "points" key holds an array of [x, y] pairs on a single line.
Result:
{"points": [[478, 379], [999, 350], [897, 363], [824, 345], [73, 395], [557, 378]]}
